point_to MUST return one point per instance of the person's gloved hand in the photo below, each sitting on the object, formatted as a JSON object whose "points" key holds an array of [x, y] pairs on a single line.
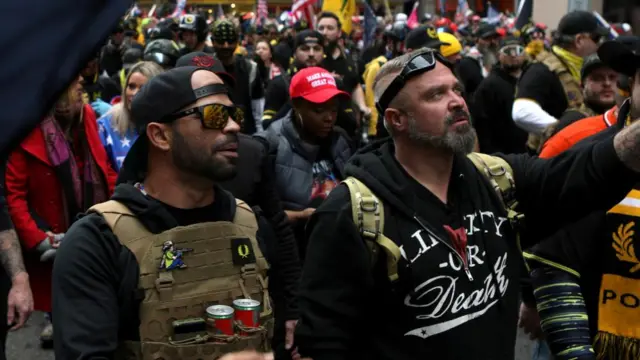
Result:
{"points": [[48, 247], [100, 107]]}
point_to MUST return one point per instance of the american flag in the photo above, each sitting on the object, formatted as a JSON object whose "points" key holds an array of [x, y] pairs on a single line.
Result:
{"points": [[493, 16], [304, 10], [180, 9], [524, 14], [462, 12], [370, 24], [262, 12]]}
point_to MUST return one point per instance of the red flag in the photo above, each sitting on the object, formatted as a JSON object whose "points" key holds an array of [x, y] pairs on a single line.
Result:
{"points": [[412, 21], [304, 10]]}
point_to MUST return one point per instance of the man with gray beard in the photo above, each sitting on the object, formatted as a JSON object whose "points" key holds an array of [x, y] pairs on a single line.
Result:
{"points": [[415, 258]]}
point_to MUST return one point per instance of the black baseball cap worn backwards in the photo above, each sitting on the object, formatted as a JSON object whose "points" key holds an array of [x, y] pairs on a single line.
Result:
{"points": [[162, 96], [308, 37], [209, 62]]}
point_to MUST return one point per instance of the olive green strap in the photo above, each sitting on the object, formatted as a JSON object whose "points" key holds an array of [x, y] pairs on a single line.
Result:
{"points": [[368, 215]]}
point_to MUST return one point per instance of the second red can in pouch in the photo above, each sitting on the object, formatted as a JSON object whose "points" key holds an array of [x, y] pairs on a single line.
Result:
{"points": [[247, 313]]}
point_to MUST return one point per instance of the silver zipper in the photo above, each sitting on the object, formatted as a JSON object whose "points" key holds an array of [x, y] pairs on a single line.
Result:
{"points": [[464, 265]]}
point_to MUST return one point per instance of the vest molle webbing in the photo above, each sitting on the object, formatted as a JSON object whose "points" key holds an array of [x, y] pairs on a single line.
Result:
{"points": [[213, 275], [571, 87]]}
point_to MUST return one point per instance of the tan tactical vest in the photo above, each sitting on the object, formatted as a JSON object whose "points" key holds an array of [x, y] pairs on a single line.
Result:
{"points": [[209, 278], [571, 87]]}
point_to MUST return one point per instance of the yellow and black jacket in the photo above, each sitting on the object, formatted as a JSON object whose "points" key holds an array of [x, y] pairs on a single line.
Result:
{"points": [[587, 279], [370, 72]]}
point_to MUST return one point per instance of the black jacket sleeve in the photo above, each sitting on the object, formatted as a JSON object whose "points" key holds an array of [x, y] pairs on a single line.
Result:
{"points": [[586, 178], [91, 273], [286, 249], [575, 246], [336, 282]]}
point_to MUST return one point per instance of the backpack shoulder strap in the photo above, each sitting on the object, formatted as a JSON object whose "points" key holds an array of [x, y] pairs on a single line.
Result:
{"points": [[368, 215], [125, 226], [500, 175]]}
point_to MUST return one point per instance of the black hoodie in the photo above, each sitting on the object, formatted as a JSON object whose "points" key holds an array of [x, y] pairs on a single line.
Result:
{"points": [[348, 308], [95, 278]]}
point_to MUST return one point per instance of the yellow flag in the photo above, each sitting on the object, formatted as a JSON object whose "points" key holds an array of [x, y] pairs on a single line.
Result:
{"points": [[344, 9]]}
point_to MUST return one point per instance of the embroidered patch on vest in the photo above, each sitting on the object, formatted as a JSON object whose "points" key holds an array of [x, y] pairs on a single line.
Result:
{"points": [[242, 252], [172, 257]]}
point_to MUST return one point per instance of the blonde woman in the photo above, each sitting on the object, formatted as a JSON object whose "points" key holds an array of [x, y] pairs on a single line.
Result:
{"points": [[116, 130]]}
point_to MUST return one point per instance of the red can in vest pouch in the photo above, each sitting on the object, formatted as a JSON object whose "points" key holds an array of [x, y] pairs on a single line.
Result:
{"points": [[221, 319], [247, 313]]}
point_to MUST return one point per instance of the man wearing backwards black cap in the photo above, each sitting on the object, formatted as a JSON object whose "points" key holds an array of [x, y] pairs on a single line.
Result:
{"points": [[552, 84], [188, 138], [249, 90], [255, 184], [308, 51]]}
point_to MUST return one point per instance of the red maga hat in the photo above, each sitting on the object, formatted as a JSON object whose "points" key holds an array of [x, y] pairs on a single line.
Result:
{"points": [[314, 84]]}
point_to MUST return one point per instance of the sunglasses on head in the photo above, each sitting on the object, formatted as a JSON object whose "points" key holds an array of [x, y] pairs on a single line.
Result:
{"points": [[512, 50], [213, 116], [417, 65]]}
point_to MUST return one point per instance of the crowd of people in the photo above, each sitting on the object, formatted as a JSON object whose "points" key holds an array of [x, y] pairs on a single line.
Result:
{"points": [[207, 188]]}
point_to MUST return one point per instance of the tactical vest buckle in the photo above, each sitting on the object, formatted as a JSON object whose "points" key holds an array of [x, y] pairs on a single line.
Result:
{"points": [[164, 285]]}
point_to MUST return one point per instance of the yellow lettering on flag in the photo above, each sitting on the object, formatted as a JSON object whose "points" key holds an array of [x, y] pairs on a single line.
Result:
{"points": [[344, 9]]}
